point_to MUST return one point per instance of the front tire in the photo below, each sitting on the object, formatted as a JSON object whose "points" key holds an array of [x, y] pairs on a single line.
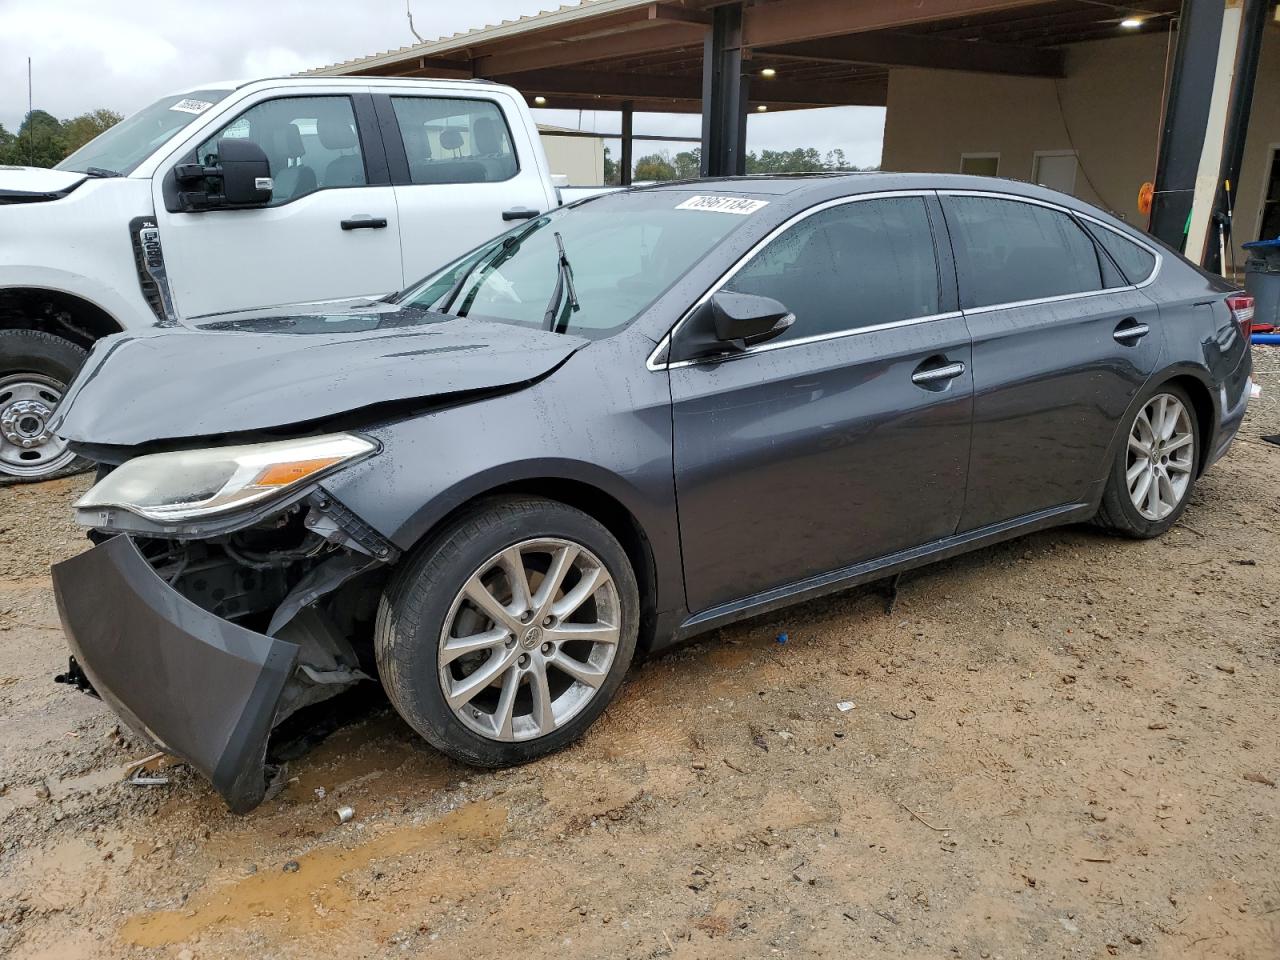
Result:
{"points": [[508, 634], [35, 368], [1155, 468]]}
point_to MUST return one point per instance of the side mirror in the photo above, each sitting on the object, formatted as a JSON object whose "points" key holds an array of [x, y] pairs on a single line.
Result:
{"points": [[246, 172], [731, 322], [241, 177], [741, 319]]}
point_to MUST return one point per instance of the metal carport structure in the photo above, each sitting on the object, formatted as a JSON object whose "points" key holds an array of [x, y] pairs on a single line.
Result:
{"points": [[728, 59]]}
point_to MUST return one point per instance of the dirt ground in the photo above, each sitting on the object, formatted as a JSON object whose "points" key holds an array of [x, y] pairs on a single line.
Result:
{"points": [[1064, 746]]}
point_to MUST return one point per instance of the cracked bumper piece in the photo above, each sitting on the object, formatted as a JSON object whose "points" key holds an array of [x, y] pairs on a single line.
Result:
{"points": [[199, 686]]}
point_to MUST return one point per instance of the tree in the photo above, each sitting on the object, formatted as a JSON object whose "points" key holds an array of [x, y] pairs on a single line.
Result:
{"points": [[43, 140], [655, 166], [688, 163], [78, 131], [611, 172]]}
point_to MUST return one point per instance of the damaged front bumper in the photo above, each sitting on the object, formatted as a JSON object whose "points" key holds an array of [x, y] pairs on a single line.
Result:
{"points": [[199, 686]]}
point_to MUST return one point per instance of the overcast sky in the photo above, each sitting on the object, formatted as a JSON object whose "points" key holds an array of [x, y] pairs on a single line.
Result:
{"points": [[123, 54]]}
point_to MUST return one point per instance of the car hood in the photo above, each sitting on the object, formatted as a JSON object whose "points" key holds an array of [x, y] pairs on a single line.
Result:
{"points": [[32, 184], [261, 370]]}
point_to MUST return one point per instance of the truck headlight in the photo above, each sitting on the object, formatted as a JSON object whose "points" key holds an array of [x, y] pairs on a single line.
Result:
{"points": [[187, 484]]}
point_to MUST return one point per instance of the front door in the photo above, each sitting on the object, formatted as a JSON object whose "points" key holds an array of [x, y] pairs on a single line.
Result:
{"points": [[1062, 343], [845, 439], [330, 231]]}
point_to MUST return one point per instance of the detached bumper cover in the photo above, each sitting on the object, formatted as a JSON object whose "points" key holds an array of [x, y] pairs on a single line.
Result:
{"points": [[199, 686]]}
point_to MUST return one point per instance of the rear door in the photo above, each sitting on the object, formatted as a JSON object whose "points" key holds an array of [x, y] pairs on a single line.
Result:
{"points": [[846, 438], [1062, 343], [330, 230], [464, 168]]}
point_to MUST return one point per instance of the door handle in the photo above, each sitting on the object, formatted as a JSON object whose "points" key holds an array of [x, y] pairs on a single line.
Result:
{"points": [[363, 222], [1130, 331], [925, 375], [519, 214]]}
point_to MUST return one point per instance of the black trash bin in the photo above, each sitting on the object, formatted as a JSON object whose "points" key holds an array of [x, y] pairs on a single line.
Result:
{"points": [[1262, 281]]}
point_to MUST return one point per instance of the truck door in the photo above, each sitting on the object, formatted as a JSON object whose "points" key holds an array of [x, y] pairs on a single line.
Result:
{"points": [[465, 167], [329, 231]]}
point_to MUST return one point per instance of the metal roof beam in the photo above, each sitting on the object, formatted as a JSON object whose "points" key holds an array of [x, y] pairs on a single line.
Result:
{"points": [[913, 50], [647, 37], [647, 85], [769, 24]]}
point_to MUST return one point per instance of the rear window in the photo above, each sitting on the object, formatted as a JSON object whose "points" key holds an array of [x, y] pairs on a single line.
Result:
{"points": [[452, 140], [1134, 262], [1009, 251]]}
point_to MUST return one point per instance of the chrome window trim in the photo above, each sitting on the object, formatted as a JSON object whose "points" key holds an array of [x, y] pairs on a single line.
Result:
{"points": [[652, 363], [656, 365]]}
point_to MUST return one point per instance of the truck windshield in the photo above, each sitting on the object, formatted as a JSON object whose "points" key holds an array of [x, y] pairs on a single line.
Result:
{"points": [[123, 147], [624, 250]]}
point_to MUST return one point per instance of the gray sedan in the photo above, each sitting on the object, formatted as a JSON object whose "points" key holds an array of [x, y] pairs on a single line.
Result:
{"points": [[621, 424]]}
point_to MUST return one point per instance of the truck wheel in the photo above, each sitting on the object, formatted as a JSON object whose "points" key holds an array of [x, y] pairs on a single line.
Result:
{"points": [[35, 368], [508, 635]]}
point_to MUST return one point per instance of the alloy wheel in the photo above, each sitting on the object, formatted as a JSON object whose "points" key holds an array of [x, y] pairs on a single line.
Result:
{"points": [[27, 447], [1161, 456], [529, 639]]}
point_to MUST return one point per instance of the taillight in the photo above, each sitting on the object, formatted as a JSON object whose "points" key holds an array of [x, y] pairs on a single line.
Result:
{"points": [[1241, 305]]}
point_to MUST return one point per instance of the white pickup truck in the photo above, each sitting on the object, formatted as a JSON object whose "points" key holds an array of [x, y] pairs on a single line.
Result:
{"points": [[231, 196]]}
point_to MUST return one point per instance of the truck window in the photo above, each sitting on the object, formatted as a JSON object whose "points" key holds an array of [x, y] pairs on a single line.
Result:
{"points": [[311, 142], [450, 140]]}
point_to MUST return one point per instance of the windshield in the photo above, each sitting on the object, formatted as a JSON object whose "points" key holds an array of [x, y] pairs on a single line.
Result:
{"points": [[121, 148], [624, 250]]}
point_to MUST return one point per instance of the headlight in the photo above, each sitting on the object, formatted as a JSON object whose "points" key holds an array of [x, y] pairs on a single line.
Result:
{"points": [[187, 484]]}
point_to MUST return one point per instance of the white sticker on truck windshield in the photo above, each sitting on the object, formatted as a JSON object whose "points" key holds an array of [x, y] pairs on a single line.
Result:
{"points": [[739, 205], [192, 106]]}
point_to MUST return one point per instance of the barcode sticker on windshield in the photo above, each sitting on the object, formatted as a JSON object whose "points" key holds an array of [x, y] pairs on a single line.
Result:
{"points": [[192, 106], [739, 205]]}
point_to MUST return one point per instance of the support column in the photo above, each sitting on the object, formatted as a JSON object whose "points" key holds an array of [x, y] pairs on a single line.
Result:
{"points": [[724, 95], [1186, 118], [624, 171], [1202, 143]]}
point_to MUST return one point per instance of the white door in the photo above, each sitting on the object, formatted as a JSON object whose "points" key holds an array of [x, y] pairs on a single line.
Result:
{"points": [[467, 167], [1057, 171], [326, 234]]}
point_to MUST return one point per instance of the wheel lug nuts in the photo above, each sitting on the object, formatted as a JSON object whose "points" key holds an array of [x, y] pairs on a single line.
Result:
{"points": [[548, 621], [546, 648], [524, 660], [511, 642]]}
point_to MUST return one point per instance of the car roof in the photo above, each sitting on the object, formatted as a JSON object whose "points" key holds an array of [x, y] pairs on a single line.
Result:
{"points": [[796, 191]]}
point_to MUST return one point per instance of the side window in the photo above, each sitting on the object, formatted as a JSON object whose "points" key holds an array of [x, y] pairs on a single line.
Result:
{"points": [[1135, 263], [311, 142], [1009, 251], [454, 140], [855, 265]]}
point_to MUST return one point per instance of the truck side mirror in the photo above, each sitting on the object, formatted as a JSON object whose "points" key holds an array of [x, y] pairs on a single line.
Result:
{"points": [[246, 172], [241, 177]]}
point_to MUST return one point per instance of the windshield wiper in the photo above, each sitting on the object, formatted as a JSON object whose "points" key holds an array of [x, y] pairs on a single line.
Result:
{"points": [[101, 172], [505, 252], [552, 320]]}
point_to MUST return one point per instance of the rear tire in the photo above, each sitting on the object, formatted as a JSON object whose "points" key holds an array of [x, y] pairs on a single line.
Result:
{"points": [[35, 369], [506, 636], [1154, 471]]}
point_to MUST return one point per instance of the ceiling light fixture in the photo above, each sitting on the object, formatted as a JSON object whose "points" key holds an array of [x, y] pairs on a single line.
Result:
{"points": [[1131, 23], [539, 100], [763, 108], [768, 72]]}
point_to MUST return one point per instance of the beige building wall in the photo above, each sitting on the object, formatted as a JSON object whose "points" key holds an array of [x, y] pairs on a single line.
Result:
{"points": [[1107, 110], [581, 159]]}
